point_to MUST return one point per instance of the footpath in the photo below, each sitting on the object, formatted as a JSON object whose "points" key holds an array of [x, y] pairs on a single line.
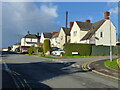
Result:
{"points": [[99, 68]]}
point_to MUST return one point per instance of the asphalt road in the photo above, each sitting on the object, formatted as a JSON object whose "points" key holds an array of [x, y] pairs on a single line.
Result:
{"points": [[23, 71]]}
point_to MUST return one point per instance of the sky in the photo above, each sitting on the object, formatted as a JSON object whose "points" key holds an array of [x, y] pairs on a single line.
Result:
{"points": [[20, 17]]}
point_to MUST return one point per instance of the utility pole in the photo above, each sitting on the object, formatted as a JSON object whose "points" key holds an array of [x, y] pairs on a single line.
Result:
{"points": [[110, 44], [66, 19]]}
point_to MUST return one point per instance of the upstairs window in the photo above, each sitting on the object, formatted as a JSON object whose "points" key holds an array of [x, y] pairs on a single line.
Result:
{"points": [[75, 33], [101, 34], [61, 37]]}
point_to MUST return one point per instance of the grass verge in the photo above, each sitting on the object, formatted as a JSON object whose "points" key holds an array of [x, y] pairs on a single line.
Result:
{"points": [[30, 54], [49, 57], [111, 64]]}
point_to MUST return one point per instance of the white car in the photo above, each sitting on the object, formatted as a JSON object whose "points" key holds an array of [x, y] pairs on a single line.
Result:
{"points": [[58, 52]]}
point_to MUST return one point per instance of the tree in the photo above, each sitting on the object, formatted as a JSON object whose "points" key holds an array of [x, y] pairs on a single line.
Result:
{"points": [[46, 45]]}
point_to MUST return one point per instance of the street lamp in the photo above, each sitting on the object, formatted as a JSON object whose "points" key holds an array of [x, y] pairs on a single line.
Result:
{"points": [[110, 43]]}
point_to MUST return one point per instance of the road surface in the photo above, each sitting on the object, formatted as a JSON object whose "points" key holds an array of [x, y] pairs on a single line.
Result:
{"points": [[21, 71]]}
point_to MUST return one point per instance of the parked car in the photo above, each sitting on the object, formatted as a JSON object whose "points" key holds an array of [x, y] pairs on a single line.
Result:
{"points": [[58, 52], [24, 50]]}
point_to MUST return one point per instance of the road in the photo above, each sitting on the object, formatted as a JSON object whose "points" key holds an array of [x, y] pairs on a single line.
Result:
{"points": [[35, 72]]}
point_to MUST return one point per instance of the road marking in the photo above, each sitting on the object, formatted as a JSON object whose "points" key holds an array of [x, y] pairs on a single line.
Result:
{"points": [[86, 65], [9, 71]]}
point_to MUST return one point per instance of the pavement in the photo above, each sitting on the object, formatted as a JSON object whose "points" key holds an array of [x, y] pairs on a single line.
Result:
{"points": [[100, 68]]}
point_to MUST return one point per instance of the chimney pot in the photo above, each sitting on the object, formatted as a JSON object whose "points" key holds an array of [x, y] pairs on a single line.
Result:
{"points": [[87, 21], [107, 15]]}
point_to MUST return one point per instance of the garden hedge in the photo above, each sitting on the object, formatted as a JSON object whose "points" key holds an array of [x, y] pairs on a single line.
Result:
{"points": [[103, 50], [46, 45], [90, 49], [35, 49], [82, 49]]}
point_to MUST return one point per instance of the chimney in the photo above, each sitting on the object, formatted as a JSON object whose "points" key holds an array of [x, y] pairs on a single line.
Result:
{"points": [[107, 15], [66, 19], [87, 20], [71, 24], [37, 34]]}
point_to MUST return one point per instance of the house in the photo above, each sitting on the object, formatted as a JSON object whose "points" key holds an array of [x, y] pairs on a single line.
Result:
{"points": [[55, 40], [63, 37], [15, 46], [4, 49], [98, 33], [30, 40], [45, 36]]}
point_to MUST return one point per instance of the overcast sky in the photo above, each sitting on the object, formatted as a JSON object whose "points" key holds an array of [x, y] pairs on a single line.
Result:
{"points": [[20, 17]]}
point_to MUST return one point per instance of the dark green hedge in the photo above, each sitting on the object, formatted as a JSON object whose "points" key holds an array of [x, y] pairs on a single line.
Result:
{"points": [[82, 49], [90, 49], [103, 50], [35, 50], [46, 45]]}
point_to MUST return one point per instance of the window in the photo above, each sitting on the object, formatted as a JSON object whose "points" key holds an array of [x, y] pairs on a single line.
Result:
{"points": [[75, 33], [101, 34], [61, 37], [31, 40]]}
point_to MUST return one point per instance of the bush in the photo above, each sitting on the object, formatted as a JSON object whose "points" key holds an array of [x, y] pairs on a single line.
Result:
{"points": [[34, 50], [82, 49], [46, 45]]}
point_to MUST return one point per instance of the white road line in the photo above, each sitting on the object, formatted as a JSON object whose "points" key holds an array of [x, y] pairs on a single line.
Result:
{"points": [[9, 71]]}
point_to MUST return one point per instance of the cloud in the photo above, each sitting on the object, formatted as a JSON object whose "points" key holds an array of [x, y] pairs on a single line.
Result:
{"points": [[18, 18], [114, 10]]}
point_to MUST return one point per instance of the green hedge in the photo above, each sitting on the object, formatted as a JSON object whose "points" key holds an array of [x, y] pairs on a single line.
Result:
{"points": [[90, 49], [46, 45], [35, 50], [82, 49], [103, 50]]}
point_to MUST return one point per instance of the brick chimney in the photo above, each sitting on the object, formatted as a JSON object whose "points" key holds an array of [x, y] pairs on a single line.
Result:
{"points": [[87, 20], [106, 15], [71, 24]]}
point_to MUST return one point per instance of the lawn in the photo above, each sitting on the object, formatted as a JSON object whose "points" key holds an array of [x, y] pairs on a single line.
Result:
{"points": [[111, 64], [31, 54], [50, 57]]}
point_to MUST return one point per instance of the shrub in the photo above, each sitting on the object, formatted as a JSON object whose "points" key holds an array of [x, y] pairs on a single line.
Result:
{"points": [[82, 49], [46, 45], [34, 50]]}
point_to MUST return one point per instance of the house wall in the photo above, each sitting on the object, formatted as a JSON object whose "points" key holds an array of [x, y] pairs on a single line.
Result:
{"points": [[42, 38], [54, 42], [105, 40], [61, 42], [25, 40], [80, 34], [14, 47]]}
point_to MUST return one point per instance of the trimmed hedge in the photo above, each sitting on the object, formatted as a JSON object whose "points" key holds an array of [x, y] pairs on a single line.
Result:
{"points": [[103, 50], [82, 49], [46, 45], [35, 50], [90, 49]]}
